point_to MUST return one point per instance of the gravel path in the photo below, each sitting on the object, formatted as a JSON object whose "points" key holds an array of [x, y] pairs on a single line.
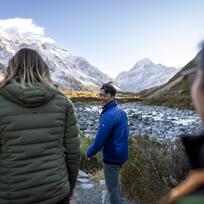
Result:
{"points": [[91, 192]]}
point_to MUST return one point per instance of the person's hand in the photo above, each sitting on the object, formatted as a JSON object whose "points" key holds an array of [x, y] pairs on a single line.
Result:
{"points": [[87, 158], [190, 184], [71, 195]]}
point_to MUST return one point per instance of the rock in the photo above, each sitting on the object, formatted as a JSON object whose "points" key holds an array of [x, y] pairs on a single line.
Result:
{"points": [[82, 180], [82, 174], [87, 186]]}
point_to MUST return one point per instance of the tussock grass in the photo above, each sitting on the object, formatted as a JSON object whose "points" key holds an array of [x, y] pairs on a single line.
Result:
{"points": [[95, 163], [153, 168]]}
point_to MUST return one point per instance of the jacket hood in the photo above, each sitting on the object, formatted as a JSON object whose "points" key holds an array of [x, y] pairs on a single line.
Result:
{"points": [[34, 96]]}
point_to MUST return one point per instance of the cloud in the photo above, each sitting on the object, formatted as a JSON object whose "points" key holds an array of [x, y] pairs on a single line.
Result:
{"points": [[25, 27]]}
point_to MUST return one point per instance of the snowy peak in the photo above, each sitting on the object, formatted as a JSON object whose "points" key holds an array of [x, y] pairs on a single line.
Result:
{"points": [[144, 63], [144, 75]]}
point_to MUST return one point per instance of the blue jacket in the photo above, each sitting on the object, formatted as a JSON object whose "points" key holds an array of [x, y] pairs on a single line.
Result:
{"points": [[112, 135]]}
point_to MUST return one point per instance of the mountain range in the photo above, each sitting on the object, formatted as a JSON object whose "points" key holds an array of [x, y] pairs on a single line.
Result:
{"points": [[67, 70], [75, 72]]}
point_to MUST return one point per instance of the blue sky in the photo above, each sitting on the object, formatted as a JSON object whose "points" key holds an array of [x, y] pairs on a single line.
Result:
{"points": [[114, 34]]}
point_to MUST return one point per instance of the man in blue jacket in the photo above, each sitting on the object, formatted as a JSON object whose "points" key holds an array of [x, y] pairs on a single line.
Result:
{"points": [[112, 138]]}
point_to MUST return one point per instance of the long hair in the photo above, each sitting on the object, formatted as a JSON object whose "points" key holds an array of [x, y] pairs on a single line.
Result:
{"points": [[27, 67]]}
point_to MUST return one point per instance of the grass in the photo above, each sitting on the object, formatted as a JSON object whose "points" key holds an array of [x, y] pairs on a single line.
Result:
{"points": [[93, 165], [91, 98], [177, 97], [153, 168]]}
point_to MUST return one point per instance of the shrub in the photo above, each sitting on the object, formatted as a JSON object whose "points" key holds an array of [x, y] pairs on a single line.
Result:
{"points": [[152, 169], [95, 163]]}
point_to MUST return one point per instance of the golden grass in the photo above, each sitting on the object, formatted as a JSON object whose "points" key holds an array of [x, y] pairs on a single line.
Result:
{"points": [[80, 96]]}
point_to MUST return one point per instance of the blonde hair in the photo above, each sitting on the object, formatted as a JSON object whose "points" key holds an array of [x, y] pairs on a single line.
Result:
{"points": [[27, 67]]}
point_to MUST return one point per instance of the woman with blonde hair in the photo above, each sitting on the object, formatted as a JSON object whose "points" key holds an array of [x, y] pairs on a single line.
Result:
{"points": [[39, 135]]}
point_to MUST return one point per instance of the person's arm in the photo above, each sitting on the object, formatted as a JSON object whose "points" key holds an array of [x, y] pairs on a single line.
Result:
{"points": [[191, 183], [104, 130], [72, 144]]}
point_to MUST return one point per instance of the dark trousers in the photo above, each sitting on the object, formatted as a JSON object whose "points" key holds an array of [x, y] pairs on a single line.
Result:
{"points": [[64, 201]]}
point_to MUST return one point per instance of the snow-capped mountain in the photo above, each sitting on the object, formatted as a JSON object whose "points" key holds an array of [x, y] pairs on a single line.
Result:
{"points": [[144, 75], [71, 71]]}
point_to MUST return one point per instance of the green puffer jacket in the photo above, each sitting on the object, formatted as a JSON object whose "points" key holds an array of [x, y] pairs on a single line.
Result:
{"points": [[191, 199], [39, 145]]}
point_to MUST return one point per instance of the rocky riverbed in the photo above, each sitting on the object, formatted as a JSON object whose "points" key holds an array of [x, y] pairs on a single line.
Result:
{"points": [[155, 121]]}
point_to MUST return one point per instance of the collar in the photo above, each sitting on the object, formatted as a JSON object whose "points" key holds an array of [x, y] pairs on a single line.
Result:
{"points": [[111, 104]]}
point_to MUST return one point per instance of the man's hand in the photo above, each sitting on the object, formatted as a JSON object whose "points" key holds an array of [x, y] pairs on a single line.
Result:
{"points": [[71, 195], [87, 158]]}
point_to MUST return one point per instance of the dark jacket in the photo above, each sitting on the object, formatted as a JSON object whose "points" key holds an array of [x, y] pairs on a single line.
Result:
{"points": [[193, 185], [112, 135], [39, 145]]}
